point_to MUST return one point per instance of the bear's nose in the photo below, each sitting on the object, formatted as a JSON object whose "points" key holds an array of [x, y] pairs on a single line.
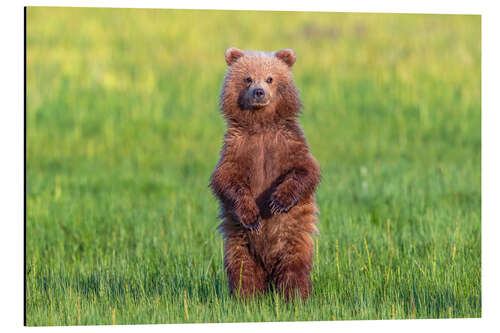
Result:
{"points": [[258, 93]]}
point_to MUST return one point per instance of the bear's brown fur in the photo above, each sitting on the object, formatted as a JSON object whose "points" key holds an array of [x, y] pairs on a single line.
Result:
{"points": [[265, 178]]}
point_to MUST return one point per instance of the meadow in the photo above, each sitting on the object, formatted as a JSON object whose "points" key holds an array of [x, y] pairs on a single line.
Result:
{"points": [[123, 133]]}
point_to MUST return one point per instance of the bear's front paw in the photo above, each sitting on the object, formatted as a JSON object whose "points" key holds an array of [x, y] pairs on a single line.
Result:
{"points": [[282, 202], [248, 214]]}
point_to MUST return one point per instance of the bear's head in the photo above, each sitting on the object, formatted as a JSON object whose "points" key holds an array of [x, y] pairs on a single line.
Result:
{"points": [[258, 86]]}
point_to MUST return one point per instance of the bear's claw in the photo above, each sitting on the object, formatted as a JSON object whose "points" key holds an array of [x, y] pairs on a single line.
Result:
{"points": [[253, 226], [277, 207], [248, 216]]}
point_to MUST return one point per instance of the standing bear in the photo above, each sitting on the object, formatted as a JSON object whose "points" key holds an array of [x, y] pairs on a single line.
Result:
{"points": [[265, 178]]}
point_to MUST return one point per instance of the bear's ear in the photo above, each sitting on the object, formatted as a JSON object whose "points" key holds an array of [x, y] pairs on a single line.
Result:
{"points": [[232, 54], [287, 56]]}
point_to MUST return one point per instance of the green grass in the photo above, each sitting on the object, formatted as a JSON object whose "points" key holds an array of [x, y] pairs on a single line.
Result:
{"points": [[123, 133]]}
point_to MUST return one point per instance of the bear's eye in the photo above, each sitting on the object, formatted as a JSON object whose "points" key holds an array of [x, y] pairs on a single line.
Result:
{"points": [[269, 80], [248, 80]]}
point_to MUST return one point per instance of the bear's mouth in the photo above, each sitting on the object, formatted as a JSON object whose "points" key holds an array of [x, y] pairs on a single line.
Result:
{"points": [[246, 104], [259, 105]]}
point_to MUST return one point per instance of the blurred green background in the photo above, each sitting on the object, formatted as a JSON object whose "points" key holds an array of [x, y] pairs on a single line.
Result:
{"points": [[123, 133]]}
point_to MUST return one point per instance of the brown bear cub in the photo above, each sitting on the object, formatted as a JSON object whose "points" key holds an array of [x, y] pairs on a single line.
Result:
{"points": [[265, 178]]}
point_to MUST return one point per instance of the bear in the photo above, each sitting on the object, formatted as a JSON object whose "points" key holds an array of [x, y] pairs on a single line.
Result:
{"points": [[265, 179]]}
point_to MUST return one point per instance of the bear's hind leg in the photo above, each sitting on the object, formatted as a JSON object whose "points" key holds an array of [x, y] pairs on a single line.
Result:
{"points": [[245, 274], [291, 275], [294, 281]]}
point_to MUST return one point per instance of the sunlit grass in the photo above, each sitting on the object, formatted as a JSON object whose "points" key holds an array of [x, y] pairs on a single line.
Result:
{"points": [[123, 132]]}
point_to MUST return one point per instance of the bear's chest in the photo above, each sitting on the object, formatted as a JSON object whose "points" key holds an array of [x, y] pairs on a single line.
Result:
{"points": [[266, 156]]}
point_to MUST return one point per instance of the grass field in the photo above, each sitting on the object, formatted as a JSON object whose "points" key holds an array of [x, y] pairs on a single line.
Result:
{"points": [[123, 133]]}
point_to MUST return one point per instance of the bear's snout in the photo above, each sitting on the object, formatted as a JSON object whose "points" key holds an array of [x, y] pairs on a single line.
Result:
{"points": [[256, 96], [258, 93]]}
